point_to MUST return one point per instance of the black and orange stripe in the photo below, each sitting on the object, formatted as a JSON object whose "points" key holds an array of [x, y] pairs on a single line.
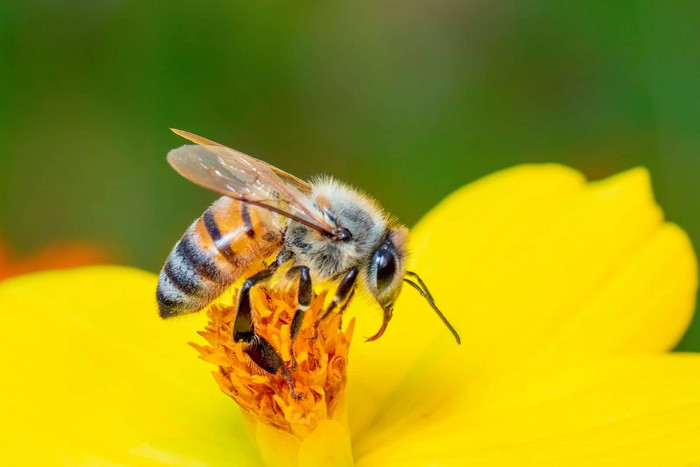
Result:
{"points": [[229, 239]]}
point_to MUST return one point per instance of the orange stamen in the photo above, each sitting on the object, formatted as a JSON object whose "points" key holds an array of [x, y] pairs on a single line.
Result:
{"points": [[320, 374]]}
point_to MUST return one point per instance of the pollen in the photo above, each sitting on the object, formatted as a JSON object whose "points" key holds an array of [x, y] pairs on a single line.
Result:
{"points": [[319, 375]]}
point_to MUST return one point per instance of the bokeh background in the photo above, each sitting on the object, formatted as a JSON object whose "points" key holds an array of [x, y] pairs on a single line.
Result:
{"points": [[407, 99]]}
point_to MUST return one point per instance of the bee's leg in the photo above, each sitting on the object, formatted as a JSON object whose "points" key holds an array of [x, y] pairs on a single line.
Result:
{"points": [[243, 328], [347, 284], [303, 301], [266, 357], [258, 349], [344, 306]]}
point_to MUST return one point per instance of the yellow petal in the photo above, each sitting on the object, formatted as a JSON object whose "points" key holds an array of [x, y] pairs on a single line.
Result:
{"points": [[91, 375], [329, 444], [534, 268], [641, 411], [276, 447], [446, 247]]}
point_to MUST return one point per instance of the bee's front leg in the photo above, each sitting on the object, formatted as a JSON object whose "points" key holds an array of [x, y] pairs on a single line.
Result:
{"points": [[347, 284]]}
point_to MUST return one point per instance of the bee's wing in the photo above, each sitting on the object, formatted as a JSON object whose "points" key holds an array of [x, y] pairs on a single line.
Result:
{"points": [[288, 178], [245, 178]]}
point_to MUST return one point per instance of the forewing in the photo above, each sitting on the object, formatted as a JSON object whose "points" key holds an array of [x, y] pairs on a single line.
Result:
{"points": [[239, 176], [289, 179]]}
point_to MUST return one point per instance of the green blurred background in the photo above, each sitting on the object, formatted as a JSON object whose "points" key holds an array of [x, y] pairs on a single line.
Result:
{"points": [[408, 100]]}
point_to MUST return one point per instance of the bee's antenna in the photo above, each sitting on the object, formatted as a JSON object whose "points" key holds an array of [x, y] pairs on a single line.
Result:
{"points": [[426, 295], [422, 284]]}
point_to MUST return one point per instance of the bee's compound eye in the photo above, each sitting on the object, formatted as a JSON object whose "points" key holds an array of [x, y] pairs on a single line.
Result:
{"points": [[385, 262]]}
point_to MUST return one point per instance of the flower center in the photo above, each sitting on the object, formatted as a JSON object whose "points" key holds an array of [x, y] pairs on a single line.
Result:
{"points": [[321, 360]]}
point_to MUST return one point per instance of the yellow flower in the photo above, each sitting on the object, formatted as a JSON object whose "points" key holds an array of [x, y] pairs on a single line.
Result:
{"points": [[567, 296]]}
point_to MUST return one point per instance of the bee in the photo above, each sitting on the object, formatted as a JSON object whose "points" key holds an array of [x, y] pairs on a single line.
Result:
{"points": [[326, 230]]}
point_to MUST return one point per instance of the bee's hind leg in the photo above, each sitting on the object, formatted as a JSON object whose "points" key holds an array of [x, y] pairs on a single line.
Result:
{"points": [[303, 301], [266, 357], [258, 349], [243, 329], [346, 286]]}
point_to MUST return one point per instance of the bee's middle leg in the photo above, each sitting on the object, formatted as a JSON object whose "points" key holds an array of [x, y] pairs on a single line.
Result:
{"points": [[304, 294]]}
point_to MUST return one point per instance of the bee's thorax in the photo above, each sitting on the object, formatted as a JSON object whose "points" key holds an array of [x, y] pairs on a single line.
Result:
{"points": [[347, 209]]}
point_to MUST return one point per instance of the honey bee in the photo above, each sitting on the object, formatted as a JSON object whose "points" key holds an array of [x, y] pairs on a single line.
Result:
{"points": [[326, 230]]}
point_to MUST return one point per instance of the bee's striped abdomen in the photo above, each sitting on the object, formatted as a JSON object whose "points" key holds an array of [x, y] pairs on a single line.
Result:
{"points": [[216, 249]]}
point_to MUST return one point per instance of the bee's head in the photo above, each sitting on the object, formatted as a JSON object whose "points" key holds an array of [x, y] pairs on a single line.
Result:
{"points": [[387, 268], [387, 272]]}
